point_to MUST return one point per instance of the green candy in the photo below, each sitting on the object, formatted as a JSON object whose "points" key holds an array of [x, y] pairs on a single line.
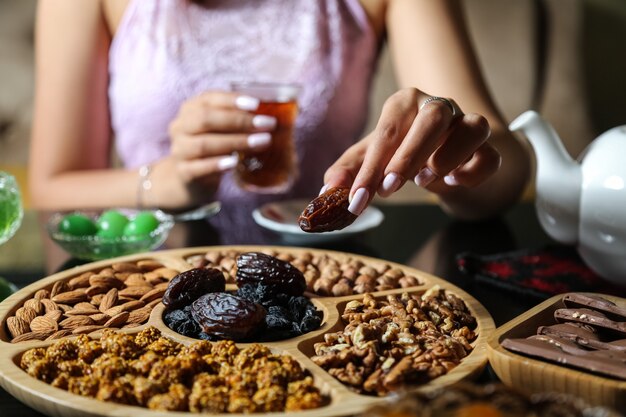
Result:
{"points": [[111, 224], [77, 225], [141, 225]]}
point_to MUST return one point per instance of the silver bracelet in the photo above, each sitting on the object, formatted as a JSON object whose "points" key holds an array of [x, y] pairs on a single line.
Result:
{"points": [[145, 184]]}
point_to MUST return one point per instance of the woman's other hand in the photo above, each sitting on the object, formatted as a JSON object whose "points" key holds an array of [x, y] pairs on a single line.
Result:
{"points": [[205, 135]]}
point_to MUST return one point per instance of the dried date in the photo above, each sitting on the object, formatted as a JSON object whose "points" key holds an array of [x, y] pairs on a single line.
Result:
{"points": [[278, 276], [227, 316], [327, 212], [188, 286]]}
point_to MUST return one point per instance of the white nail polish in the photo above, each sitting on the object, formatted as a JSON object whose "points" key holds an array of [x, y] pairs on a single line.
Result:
{"points": [[323, 189], [450, 180], [259, 140], [425, 177], [227, 162], [390, 183], [359, 201], [247, 103], [262, 121]]}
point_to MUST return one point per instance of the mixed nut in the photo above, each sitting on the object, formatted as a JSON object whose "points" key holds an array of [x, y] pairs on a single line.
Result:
{"points": [[120, 296], [152, 371], [398, 340]]}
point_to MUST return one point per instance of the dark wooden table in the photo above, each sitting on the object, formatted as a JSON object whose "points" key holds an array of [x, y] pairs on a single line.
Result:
{"points": [[421, 236]]}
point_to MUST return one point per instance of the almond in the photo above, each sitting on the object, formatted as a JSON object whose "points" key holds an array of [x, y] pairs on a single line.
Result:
{"points": [[36, 305], [76, 321], [25, 313], [152, 295], [136, 280], [167, 273], [149, 265], [17, 326], [106, 281], [118, 320], [80, 281], [97, 299], [154, 279], [71, 297], [86, 306], [129, 306], [80, 312], [139, 316], [123, 275], [43, 324], [97, 289], [162, 286], [86, 329], [109, 300], [41, 294], [54, 315], [125, 267], [107, 272], [59, 334], [135, 291], [58, 287], [30, 336], [152, 303], [99, 318], [64, 307], [49, 305]]}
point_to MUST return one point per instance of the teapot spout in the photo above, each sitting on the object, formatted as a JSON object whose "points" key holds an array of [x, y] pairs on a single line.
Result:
{"points": [[558, 178]]}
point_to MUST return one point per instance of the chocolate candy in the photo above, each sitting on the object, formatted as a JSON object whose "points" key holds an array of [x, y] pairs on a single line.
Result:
{"points": [[563, 351], [590, 334]]}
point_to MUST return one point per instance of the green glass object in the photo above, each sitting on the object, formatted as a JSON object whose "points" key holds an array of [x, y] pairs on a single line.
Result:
{"points": [[142, 224], [76, 224], [6, 288], [111, 224], [11, 211]]}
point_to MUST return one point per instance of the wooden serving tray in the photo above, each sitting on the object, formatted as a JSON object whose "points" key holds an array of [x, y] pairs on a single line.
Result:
{"points": [[57, 402], [534, 375]]}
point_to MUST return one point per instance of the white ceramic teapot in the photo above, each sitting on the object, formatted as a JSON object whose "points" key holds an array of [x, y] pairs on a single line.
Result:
{"points": [[584, 202]]}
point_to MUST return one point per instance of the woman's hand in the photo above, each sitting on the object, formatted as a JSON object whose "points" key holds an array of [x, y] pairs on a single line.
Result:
{"points": [[431, 143], [207, 131]]}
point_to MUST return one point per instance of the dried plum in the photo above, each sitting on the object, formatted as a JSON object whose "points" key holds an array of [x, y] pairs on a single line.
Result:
{"points": [[327, 212], [188, 286], [278, 276], [227, 316], [181, 321]]}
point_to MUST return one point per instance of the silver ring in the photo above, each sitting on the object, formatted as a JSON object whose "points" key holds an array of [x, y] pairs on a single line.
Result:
{"points": [[442, 99]]}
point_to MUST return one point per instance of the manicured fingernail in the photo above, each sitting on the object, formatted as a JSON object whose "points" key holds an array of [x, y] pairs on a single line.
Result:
{"points": [[247, 103], [323, 189], [425, 177], [450, 180], [390, 183], [259, 140], [227, 162], [264, 122], [359, 201]]}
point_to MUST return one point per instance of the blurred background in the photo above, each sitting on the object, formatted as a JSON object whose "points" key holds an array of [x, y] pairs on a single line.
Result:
{"points": [[564, 58]]}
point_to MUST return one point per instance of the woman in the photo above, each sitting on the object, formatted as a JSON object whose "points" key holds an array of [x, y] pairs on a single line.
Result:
{"points": [[155, 75]]}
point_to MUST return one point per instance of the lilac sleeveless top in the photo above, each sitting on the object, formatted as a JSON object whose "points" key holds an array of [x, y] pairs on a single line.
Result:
{"points": [[167, 51]]}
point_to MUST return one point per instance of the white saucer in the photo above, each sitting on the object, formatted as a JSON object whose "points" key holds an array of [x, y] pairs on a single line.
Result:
{"points": [[282, 218]]}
